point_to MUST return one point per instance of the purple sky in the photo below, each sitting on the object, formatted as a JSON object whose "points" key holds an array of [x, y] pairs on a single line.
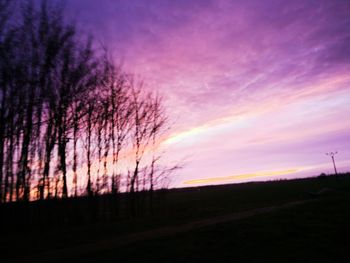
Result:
{"points": [[256, 89]]}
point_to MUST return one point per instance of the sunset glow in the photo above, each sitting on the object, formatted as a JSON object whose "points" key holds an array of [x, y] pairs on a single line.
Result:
{"points": [[174, 130], [249, 85], [240, 177]]}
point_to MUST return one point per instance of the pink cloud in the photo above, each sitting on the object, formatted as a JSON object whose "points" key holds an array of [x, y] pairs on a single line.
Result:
{"points": [[244, 81]]}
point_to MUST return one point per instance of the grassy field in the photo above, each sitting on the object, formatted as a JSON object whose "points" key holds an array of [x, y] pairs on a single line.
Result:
{"points": [[313, 232], [316, 230]]}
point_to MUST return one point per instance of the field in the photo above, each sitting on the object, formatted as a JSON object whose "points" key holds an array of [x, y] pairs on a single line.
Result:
{"points": [[305, 220]]}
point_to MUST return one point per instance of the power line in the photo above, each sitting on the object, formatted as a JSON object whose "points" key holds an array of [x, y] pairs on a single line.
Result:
{"points": [[332, 154]]}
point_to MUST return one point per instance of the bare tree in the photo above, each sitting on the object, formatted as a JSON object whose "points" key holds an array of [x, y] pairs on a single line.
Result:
{"points": [[63, 107]]}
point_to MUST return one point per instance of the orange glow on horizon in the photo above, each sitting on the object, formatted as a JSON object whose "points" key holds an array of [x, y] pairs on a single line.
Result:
{"points": [[241, 176]]}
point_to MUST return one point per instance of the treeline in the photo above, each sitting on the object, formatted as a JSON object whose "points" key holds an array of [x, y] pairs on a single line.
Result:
{"points": [[71, 122]]}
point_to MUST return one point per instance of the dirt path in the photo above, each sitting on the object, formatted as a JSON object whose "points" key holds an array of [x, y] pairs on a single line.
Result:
{"points": [[111, 243]]}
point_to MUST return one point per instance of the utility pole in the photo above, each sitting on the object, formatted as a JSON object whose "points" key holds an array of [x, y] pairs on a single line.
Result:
{"points": [[331, 154]]}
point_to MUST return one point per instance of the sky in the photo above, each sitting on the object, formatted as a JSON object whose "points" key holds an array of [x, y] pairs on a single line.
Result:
{"points": [[255, 90]]}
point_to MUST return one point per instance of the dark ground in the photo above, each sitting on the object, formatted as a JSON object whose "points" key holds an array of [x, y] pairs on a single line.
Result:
{"points": [[315, 229]]}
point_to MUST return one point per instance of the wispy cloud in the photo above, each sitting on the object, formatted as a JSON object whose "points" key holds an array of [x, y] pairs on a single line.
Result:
{"points": [[243, 79]]}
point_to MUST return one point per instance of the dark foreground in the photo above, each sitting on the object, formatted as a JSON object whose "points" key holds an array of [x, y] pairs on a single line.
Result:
{"points": [[289, 221]]}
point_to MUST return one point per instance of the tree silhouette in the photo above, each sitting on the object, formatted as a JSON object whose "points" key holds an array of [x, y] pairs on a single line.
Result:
{"points": [[71, 121]]}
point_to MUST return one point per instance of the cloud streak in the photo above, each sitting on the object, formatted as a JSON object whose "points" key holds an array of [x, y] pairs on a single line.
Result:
{"points": [[240, 177]]}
